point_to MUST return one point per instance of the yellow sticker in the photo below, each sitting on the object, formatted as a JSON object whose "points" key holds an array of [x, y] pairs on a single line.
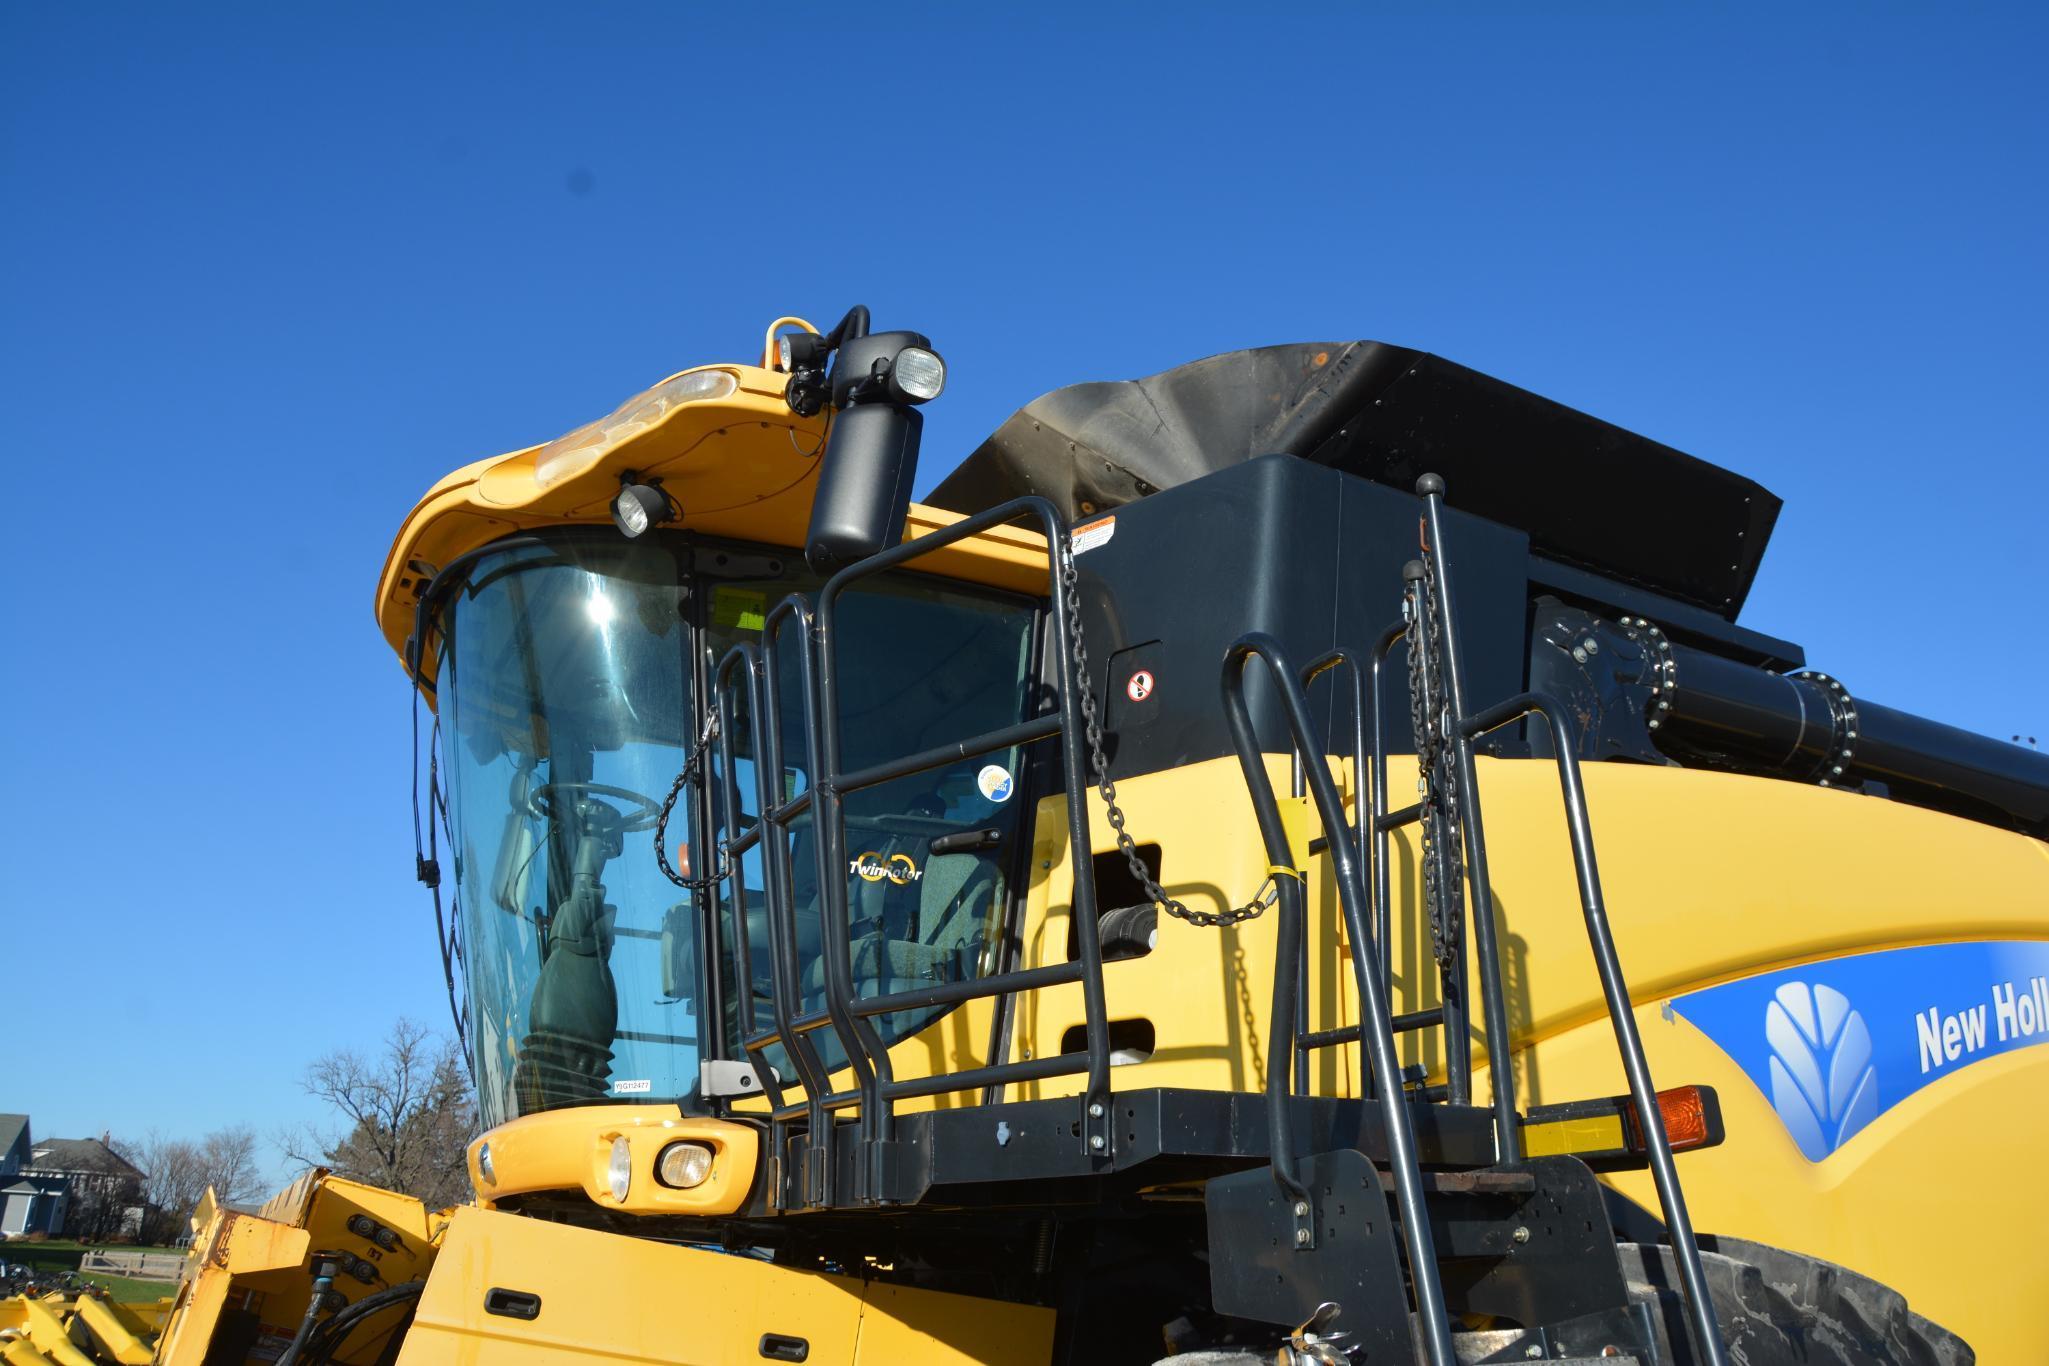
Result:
{"points": [[743, 608]]}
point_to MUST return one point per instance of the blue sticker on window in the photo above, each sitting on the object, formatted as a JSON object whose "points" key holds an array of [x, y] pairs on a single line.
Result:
{"points": [[1835, 1044]]}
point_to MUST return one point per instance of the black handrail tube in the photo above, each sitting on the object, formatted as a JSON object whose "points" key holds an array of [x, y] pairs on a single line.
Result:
{"points": [[1384, 822], [1023, 733], [1685, 1248], [950, 993], [1362, 811], [779, 873], [740, 658], [857, 1038], [1401, 1136], [1406, 1023], [879, 1122], [1029, 1069], [1493, 999], [1395, 820]]}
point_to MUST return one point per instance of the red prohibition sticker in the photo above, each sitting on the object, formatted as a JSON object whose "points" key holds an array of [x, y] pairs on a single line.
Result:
{"points": [[1139, 687]]}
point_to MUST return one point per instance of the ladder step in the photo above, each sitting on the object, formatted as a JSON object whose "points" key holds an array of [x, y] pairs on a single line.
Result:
{"points": [[1480, 1182], [1395, 820], [1403, 1024]]}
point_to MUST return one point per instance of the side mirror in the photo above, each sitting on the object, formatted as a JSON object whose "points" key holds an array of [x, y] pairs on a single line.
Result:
{"points": [[871, 451], [864, 484]]}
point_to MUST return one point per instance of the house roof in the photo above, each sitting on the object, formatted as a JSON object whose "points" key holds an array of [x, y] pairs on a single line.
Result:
{"points": [[80, 1155], [12, 1127], [21, 1188]]}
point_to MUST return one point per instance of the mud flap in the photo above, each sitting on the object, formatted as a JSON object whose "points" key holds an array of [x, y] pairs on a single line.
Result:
{"points": [[1257, 1270]]}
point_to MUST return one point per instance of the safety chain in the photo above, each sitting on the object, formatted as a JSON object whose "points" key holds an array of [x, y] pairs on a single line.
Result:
{"points": [[1437, 773], [683, 776], [1268, 893]]}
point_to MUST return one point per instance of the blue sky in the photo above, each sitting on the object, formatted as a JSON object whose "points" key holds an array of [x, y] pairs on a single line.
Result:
{"points": [[268, 271]]}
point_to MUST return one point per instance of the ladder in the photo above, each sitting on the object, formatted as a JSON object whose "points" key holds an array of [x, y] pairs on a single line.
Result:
{"points": [[1451, 824]]}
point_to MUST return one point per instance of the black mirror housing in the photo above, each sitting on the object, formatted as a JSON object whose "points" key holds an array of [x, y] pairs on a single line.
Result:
{"points": [[864, 483]]}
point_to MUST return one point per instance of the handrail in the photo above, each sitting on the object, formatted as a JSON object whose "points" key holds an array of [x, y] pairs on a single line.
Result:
{"points": [[1361, 806], [1379, 1040], [850, 1014], [879, 1115], [1462, 730]]}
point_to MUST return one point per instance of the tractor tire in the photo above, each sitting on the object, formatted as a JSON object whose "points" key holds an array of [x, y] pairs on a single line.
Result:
{"points": [[1778, 1308]]}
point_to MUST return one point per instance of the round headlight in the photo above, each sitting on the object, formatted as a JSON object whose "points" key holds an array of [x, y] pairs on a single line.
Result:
{"points": [[621, 1171], [636, 507], [484, 1168], [917, 374], [683, 1165]]}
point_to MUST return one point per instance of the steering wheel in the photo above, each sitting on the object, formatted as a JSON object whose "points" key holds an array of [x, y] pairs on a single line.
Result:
{"points": [[601, 818]]}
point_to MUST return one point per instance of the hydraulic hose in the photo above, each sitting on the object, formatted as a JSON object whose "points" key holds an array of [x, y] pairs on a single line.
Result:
{"points": [[327, 1338], [323, 1281]]}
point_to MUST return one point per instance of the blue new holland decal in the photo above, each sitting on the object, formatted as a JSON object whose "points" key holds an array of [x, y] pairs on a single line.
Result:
{"points": [[1836, 1043]]}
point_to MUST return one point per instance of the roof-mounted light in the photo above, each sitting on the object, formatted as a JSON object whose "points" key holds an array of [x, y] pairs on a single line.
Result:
{"points": [[578, 450], [637, 506]]}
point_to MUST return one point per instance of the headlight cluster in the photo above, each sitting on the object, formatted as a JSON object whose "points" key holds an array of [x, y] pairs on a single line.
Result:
{"points": [[683, 1165], [578, 450]]}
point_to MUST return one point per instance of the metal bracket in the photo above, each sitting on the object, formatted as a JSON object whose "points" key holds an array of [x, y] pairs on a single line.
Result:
{"points": [[724, 1077], [1098, 1126]]}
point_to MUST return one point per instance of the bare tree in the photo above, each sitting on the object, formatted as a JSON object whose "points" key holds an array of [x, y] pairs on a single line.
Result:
{"points": [[227, 1162], [407, 1117], [172, 1183], [176, 1172]]}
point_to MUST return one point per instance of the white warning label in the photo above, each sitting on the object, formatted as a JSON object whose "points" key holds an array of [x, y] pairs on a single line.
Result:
{"points": [[1093, 534]]}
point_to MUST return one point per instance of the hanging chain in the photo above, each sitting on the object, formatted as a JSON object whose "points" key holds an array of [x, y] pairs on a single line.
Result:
{"points": [[695, 758], [1268, 893], [1436, 768]]}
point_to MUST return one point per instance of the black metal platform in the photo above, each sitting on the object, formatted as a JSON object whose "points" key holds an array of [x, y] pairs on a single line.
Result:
{"points": [[1025, 1151]]}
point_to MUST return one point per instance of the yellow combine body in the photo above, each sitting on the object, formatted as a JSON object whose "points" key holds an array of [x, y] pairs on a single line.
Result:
{"points": [[1071, 1133]]}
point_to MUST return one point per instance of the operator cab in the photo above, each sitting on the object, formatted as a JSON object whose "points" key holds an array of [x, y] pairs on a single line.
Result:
{"points": [[576, 669]]}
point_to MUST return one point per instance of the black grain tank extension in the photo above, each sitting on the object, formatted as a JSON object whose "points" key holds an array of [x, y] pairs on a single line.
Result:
{"points": [[1602, 567]]}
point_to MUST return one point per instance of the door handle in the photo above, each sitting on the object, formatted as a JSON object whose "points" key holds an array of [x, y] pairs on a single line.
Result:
{"points": [[966, 841]]}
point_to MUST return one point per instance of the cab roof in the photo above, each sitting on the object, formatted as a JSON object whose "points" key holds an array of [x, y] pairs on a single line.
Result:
{"points": [[737, 463]]}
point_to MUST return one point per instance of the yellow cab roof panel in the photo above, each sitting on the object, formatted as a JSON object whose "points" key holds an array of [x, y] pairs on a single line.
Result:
{"points": [[737, 463]]}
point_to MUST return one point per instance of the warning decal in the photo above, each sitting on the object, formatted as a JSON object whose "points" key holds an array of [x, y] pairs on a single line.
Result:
{"points": [[1096, 533]]}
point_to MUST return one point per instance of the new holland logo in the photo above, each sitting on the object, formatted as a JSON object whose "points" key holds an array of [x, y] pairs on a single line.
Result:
{"points": [[900, 869], [1824, 1083]]}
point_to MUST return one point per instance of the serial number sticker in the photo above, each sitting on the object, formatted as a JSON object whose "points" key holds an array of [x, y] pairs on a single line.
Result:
{"points": [[633, 1088], [1094, 534]]}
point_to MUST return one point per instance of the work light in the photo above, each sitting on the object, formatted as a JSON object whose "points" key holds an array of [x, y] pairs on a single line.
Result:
{"points": [[916, 375], [636, 507], [683, 1165]]}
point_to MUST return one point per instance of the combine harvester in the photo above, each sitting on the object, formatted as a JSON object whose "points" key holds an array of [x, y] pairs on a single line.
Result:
{"points": [[1067, 923]]}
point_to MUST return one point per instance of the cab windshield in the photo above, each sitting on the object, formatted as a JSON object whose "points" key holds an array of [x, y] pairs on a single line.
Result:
{"points": [[574, 672]]}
